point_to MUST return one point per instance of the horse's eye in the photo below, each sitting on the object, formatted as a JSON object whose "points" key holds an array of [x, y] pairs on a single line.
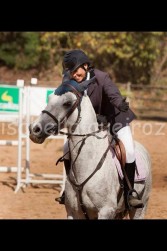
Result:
{"points": [[67, 104]]}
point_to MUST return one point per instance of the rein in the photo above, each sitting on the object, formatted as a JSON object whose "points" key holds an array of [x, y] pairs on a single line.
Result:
{"points": [[61, 159], [79, 187], [84, 135]]}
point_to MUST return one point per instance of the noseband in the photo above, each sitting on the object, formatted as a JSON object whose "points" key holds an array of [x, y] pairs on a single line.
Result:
{"points": [[75, 105]]}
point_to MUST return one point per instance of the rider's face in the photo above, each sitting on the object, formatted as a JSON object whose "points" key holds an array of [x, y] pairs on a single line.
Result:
{"points": [[79, 74]]}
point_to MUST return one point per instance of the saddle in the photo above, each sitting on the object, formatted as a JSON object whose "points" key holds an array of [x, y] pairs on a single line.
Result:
{"points": [[119, 150], [120, 153], [119, 156]]}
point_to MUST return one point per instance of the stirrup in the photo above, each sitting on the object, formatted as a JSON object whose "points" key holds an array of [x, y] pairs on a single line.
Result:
{"points": [[140, 205]]}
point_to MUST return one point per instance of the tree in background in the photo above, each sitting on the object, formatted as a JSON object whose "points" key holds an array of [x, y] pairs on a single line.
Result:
{"points": [[136, 57]]}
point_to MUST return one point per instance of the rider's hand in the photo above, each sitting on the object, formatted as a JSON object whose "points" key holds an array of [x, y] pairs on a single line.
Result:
{"points": [[101, 119], [124, 105]]}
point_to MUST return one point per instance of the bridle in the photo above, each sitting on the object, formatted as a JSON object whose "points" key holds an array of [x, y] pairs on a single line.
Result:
{"points": [[77, 104], [74, 106]]}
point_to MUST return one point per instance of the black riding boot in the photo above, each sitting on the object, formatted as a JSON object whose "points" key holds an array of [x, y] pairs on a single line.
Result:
{"points": [[132, 198], [67, 165]]}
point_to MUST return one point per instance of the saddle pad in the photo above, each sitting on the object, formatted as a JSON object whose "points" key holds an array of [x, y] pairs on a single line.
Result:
{"points": [[140, 175]]}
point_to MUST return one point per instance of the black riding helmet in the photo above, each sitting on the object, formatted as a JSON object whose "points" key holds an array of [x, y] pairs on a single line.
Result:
{"points": [[73, 59]]}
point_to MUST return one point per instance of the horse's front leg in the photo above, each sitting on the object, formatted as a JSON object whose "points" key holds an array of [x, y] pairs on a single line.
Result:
{"points": [[106, 213], [70, 217], [69, 213]]}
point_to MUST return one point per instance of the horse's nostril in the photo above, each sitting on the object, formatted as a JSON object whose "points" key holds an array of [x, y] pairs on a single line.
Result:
{"points": [[36, 130]]}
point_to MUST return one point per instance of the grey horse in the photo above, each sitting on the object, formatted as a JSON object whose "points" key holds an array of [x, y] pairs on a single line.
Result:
{"points": [[93, 185]]}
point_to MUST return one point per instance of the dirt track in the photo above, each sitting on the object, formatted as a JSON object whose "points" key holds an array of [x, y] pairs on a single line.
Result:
{"points": [[38, 201]]}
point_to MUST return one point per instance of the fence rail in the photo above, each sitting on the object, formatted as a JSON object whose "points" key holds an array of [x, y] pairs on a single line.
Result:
{"points": [[147, 87], [146, 101]]}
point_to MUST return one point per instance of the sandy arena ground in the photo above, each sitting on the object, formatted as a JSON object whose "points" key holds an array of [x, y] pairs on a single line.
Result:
{"points": [[37, 201]]}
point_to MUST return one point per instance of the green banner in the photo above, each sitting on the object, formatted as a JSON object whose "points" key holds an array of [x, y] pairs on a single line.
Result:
{"points": [[9, 99], [48, 92]]}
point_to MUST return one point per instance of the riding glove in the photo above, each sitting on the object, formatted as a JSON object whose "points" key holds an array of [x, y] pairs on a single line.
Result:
{"points": [[124, 105], [101, 119]]}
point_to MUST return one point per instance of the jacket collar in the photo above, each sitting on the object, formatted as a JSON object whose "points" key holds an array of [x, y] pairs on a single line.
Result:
{"points": [[92, 87]]}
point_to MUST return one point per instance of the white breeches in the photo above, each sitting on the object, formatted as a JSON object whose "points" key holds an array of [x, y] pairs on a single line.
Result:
{"points": [[125, 135]]}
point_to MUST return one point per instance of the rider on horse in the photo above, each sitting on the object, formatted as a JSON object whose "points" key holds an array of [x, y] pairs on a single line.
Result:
{"points": [[110, 107]]}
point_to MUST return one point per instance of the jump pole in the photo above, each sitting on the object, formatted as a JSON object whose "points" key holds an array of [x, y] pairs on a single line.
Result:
{"points": [[43, 178]]}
